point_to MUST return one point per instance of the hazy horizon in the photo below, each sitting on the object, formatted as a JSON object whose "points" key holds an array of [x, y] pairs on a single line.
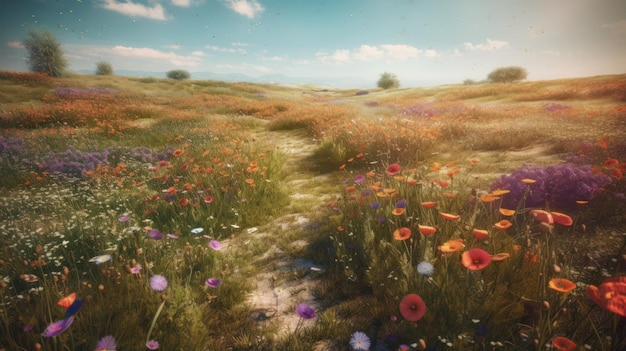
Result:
{"points": [[423, 43]]}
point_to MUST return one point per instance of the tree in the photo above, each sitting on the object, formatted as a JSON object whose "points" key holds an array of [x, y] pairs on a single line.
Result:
{"points": [[178, 74], [507, 74], [104, 68], [44, 53], [388, 80]]}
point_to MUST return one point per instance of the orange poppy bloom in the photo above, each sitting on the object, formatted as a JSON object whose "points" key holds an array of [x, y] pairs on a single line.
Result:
{"points": [[449, 195], [475, 259], [610, 163], [500, 257], [562, 343], [582, 202], [542, 216], [529, 181], [489, 198], [617, 174], [398, 211], [427, 230], [178, 152], [453, 245], [506, 212], [402, 233], [449, 217], [499, 192], [67, 301], [610, 295], [503, 225], [562, 218], [411, 181], [429, 204], [351, 188], [399, 178], [561, 285], [480, 234], [184, 202]]}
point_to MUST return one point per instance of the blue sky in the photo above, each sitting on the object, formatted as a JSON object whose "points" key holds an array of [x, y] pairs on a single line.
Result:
{"points": [[423, 42]]}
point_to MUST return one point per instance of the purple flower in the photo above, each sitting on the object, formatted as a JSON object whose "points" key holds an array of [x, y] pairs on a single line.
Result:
{"points": [[136, 269], [57, 327], [305, 311], [158, 283], [359, 178], [107, 343], [124, 218], [213, 282], [215, 245], [152, 344], [401, 204], [28, 327], [375, 205], [155, 234]]}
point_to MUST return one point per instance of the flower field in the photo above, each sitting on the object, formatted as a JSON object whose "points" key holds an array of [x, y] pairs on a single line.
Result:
{"points": [[137, 213]]}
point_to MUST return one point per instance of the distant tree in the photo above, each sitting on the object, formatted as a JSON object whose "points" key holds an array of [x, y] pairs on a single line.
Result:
{"points": [[507, 74], [388, 80], [104, 68], [469, 82], [178, 74], [44, 53]]}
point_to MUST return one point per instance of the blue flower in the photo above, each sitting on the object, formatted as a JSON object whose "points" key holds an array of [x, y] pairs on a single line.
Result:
{"points": [[425, 268]]}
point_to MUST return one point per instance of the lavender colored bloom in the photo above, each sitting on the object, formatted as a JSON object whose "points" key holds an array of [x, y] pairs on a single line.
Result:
{"points": [[107, 343], [124, 218], [359, 178], [366, 192], [375, 205], [401, 204], [172, 236], [57, 327], [155, 234], [158, 282], [360, 341], [215, 245], [136, 269], [28, 327], [305, 311], [559, 186], [152, 344], [213, 282]]}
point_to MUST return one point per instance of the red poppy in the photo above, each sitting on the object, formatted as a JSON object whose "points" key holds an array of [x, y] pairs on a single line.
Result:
{"points": [[393, 169], [398, 211], [429, 204], [449, 217], [427, 230], [561, 285], [402, 233], [184, 202], [617, 174], [476, 259], [610, 163], [480, 234], [67, 301], [412, 307], [542, 216], [562, 343], [178, 152], [610, 295], [562, 218]]}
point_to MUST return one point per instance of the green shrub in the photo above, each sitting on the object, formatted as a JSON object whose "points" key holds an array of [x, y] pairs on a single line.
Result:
{"points": [[44, 53], [104, 68], [178, 74], [507, 74], [388, 80]]}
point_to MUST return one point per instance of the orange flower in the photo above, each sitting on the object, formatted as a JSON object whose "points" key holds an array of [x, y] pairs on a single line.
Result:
{"points": [[506, 212], [610, 163], [499, 192], [453, 245], [500, 257], [480, 234], [67, 301], [610, 295], [489, 198], [617, 174], [503, 224], [184, 202], [178, 152], [529, 181], [562, 218], [398, 211], [582, 202], [351, 188], [429, 204], [562, 343], [449, 217], [427, 230], [561, 285], [402, 233]]}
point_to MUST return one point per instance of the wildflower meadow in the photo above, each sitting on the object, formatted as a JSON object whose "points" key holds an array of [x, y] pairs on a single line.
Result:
{"points": [[144, 213]]}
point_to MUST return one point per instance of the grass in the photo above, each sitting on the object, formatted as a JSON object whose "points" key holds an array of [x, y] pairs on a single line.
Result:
{"points": [[108, 181]]}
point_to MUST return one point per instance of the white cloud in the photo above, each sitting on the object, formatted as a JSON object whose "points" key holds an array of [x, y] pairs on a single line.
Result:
{"points": [[230, 50], [181, 3], [157, 55], [616, 27], [389, 52], [173, 46], [248, 8], [198, 53], [490, 45], [15, 44], [130, 8]]}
